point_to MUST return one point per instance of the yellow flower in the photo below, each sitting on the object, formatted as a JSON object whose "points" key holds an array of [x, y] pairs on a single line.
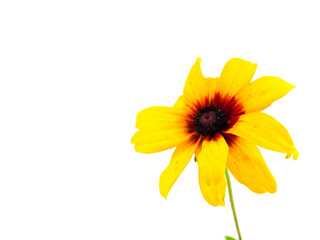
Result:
{"points": [[218, 120]]}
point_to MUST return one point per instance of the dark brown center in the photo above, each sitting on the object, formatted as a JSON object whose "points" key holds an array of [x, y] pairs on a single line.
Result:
{"points": [[210, 120]]}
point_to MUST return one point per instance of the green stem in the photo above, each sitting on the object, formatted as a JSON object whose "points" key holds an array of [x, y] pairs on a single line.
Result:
{"points": [[232, 203]]}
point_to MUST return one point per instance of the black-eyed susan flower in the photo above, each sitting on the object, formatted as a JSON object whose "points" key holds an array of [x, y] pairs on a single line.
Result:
{"points": [[220, 121]]}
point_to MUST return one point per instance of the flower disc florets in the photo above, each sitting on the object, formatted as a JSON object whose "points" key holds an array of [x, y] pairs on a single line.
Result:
{"points": [[210, 120]]}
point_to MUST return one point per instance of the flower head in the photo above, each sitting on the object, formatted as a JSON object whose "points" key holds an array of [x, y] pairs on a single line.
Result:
{"points": [[218, 120]]}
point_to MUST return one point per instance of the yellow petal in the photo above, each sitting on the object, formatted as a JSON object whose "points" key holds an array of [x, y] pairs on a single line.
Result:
{"points": [[149, 136], [198, 100], [262, 92], [187, 106], [236, 74], [264, 131], [246, 164], [179, 161], [195, 87], [214, 194], [161, 128], [211, 86], [212, 159], [180, 103], [159, 117], [147, 141]]}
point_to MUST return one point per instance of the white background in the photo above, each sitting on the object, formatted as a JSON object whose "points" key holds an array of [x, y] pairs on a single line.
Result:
{"points": [[73, 76]]}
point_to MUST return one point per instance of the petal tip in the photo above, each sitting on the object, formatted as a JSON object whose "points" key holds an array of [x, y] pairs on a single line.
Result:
{"points": [[136, 148], [165, 196], [273, 189], [255, 65], [140, 149], [217, 204], [288, 155], [295, 154], [290, 87], [163, 192], [132, 139]]}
